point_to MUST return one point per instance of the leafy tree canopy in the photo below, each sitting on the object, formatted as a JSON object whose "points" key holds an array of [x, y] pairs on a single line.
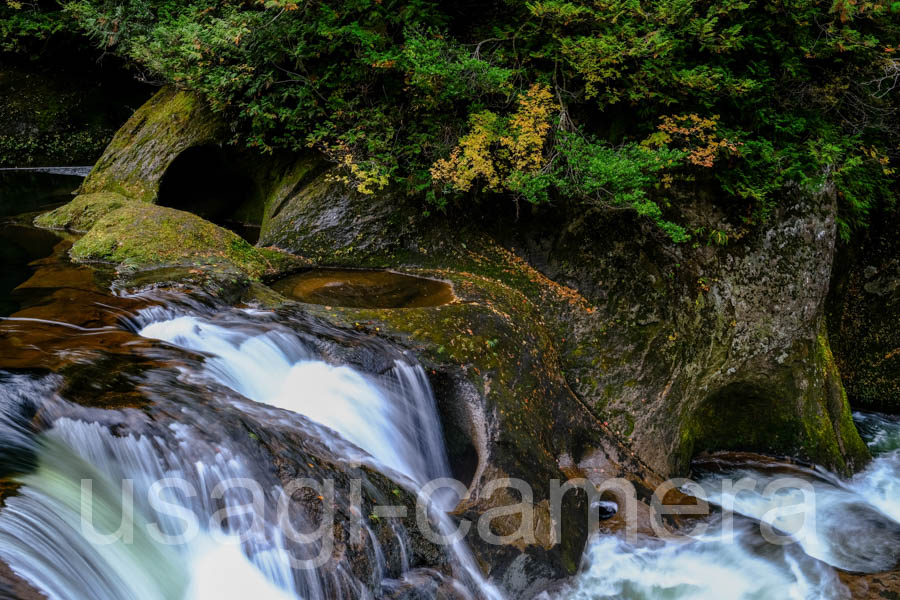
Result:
{"points": [[603, 103]]}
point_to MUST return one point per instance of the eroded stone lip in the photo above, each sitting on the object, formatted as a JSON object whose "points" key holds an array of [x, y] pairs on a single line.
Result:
{"points": [[365, 288]]}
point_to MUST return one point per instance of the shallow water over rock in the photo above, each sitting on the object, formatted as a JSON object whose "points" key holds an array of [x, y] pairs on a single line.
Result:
{"points": [[359, 288], [26, 190], [792, 531]]}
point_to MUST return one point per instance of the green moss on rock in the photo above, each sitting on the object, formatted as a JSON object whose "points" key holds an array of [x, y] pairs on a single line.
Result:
{"points": [[82, 213], [137, 157], [140, 235]]}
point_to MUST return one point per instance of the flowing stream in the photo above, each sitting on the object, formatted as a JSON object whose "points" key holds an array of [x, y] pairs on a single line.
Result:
{"points": [[814, 521], [148, 444], [155, 537]]}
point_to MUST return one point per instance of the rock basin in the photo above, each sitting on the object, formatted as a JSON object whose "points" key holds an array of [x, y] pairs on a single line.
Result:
{"points": [[359, 288]]}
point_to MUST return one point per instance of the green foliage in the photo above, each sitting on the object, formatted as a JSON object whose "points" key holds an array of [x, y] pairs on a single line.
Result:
{"points": [[606, 177], [26, 25], [803, 91]]}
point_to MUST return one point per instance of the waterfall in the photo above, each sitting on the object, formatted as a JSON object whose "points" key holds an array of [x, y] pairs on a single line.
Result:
{"points": [[199, 437], [392, 419], [66, 561]]}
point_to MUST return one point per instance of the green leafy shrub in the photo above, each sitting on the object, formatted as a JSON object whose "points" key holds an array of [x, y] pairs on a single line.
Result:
{"points": [[804, 92]]}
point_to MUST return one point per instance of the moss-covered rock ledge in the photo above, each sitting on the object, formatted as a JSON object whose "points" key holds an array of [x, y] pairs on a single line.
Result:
{"points": [[681, 349], [137, 235]]}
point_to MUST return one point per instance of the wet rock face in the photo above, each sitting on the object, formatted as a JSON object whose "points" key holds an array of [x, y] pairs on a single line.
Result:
{"points": [[684, 349], [322, 219], [863, 316], [679, 349], [507, 412]]}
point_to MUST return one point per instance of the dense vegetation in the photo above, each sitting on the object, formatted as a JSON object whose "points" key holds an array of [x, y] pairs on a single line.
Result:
{"points": [[603, 104]]}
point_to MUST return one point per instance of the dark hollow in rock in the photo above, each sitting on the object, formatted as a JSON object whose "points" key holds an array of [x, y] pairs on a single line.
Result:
{"points": [[358, 288], [743, 416], [457, 425], [209, 182]]}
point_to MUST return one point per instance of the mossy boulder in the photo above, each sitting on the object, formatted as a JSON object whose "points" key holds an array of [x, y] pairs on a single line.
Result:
{"points": [[325, 220], [138, 236], [695, 347], [82, 213], [141, 151], [141, 235]]}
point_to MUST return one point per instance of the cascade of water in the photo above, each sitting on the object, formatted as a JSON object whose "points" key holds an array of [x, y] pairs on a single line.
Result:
{"points": [[392, 419], [389, 420], [123, 547]]}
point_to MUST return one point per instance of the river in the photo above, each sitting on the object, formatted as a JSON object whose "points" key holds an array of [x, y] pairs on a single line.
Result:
{"points": [[191, 420]]}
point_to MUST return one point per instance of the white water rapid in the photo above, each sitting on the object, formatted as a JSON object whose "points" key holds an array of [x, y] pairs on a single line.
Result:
{"points": [[818, 520], [393, 419]]}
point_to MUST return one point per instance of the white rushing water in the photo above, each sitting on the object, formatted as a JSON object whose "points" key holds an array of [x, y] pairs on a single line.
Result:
{"points": [[390, 420], [818, 520], [393, 419], [112, 548]]}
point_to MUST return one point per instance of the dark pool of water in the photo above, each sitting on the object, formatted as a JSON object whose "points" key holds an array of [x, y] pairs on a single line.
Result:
{"points": [[358, 288], [19, 247], [28, 191]]}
